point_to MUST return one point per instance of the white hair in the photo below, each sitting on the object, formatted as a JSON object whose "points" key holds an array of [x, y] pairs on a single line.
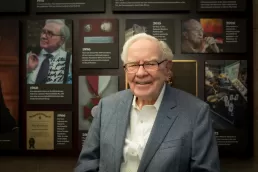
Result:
{"points": [[64, 31], [165, 52]]}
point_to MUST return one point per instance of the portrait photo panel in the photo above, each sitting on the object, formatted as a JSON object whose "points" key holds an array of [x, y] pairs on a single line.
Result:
{"points": [[91, 90], [49, 61], [210, 35], [226, 92], [9, 85]]}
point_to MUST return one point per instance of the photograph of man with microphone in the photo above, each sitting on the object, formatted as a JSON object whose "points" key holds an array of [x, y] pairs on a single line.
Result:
{"points": [[202, 36], [49, 56]]}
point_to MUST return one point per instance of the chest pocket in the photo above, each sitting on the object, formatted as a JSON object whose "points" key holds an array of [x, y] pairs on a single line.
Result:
{"points": [[171, 144]]}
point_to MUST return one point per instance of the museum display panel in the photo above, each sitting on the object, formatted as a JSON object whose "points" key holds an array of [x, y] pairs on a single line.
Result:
{"points": [[210, 35], [162, 29], [49, 61], [49, 130], [91, 90], [55, 6], [226, 92], [221, 5], [151, 5], [213, 60], [98, 43]]}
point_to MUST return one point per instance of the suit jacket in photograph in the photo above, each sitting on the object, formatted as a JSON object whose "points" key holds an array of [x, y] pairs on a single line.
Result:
{"points": [[181, 140]]}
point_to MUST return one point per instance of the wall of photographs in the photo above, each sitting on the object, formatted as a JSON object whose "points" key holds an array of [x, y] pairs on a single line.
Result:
{"points": [[46, 102]]}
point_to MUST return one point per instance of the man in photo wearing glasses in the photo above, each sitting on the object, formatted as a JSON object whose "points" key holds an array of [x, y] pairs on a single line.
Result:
{"points": [[50, 63], [150, 127]]}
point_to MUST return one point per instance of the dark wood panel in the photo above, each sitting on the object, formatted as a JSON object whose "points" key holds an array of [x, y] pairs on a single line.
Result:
{"points": [[12, 103], [9, 60], [10, 80], [10, 88], [9, 38]]}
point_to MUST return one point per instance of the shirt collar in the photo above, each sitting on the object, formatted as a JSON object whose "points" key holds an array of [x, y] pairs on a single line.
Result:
{"points": [[43, 51], [158, 101]]}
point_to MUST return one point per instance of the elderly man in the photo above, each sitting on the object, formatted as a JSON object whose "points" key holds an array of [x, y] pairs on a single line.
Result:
{"points": [[50, 64], [193, 40], [151, 127]]}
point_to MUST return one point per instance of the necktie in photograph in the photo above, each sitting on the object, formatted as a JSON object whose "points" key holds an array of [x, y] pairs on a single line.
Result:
{"points": [[43, 71]]}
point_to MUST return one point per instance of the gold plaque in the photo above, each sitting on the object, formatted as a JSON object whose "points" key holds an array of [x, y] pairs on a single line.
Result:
{"points": [[40, 130]]}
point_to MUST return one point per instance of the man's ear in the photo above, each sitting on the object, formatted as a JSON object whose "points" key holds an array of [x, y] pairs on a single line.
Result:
{"points": [[62, 41], [169, 65]]}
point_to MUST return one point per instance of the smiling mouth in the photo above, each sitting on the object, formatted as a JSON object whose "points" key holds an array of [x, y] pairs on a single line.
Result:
{"points": [[143, 83], [43, 41]]}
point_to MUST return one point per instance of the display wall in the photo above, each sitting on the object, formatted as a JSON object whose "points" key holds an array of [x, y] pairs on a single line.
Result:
{"points": [[88, 66]]}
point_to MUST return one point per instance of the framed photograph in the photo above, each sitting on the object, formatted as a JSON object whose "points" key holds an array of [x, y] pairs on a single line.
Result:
{"points": [[213, 35], [49, 61], [226, 92], [91, 89]]}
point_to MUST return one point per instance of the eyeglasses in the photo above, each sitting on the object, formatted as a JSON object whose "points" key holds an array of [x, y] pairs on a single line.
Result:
{"points": [[148, 66], [48, 33], [197, 31]]}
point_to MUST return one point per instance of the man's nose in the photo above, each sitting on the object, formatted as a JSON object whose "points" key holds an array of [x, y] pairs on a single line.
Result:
{"points": [[141, 71], [43, 35]]}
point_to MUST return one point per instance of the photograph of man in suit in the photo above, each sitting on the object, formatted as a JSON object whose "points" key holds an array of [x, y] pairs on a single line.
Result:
{"points": [[50, 63], [151, 127], [7, 121]]}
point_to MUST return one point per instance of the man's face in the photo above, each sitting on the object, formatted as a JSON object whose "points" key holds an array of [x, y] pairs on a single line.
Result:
{"points": [[195, 32], [50, 38], [146, 84]]}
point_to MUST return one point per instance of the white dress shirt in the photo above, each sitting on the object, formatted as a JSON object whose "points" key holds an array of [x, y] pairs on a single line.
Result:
{"points": [[141, 122], [56, 67]]}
